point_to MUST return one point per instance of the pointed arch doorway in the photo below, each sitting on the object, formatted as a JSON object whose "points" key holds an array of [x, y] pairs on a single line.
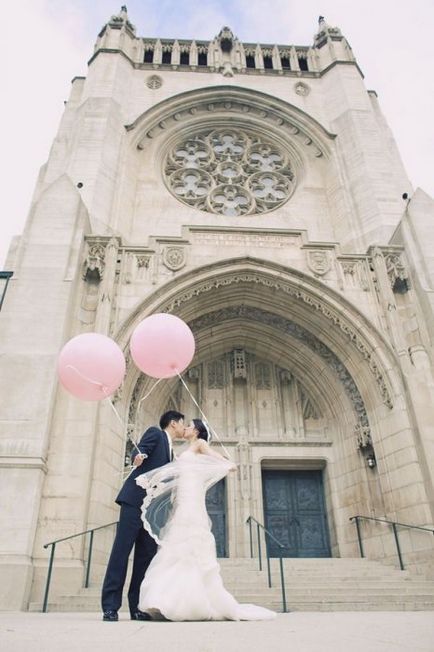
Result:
{"points": [[277, 367]]}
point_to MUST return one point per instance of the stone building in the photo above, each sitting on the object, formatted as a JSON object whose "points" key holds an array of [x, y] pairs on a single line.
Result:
{"points": [[256, 192]]}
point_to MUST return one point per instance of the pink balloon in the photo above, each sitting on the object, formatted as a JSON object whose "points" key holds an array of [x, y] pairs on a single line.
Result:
{"points": [[91, 366], [162, 345]]}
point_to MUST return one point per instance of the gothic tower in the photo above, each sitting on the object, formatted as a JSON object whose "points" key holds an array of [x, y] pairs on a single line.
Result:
{"points": [[255, 191]]}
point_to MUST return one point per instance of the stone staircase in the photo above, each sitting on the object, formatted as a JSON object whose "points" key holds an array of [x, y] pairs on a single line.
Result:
{"points": [[311, 585]]}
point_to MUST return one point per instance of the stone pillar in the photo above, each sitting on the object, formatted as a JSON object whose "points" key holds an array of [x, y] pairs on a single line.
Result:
{"points": [[33, 323]]}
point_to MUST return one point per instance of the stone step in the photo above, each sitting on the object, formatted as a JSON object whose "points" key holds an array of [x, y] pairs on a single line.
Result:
{"points": [[385, 604], [310, 585], [302, 575], [372, 586]]}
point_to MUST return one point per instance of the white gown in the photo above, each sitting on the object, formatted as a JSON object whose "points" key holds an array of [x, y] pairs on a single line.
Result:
{"points": [[183, 580]]}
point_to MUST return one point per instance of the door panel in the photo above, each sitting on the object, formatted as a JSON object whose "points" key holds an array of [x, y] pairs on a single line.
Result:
{"points": [[216, 507], [295, 513]]}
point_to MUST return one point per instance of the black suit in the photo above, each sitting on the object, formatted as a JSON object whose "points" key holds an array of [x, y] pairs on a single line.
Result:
{"points": [[130, 531]]}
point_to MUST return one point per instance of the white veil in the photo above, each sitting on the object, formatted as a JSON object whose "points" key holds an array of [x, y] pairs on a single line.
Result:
{"points": [[162, 485]]}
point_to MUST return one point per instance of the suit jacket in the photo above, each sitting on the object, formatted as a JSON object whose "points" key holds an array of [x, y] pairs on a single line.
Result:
{"points": [[154, 443]]}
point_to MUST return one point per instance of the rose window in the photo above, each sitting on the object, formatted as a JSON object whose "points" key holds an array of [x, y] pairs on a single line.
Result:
{"points": [[229, 172]]}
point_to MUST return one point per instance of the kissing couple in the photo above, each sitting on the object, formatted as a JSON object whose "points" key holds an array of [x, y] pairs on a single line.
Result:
{"points": [[175, 574]]}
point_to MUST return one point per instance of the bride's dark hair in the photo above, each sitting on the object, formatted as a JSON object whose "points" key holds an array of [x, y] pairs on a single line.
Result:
{"points": [[201, 429]]}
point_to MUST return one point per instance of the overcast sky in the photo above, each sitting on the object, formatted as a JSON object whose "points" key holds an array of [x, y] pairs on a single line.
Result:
{"points": [[48, 42]]}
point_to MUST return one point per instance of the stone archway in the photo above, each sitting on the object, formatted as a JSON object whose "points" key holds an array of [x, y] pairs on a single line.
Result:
{"points": [[292, 329]]}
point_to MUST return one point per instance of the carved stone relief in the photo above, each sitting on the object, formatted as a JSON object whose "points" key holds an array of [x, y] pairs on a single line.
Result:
{"points": [[309, 409], [355, 273], [238, 363], [319, 261], [263, 375], [273, 116], [216, 374], [397, 272], [302, 89], [154, 82], [94, 263], [174, 258], [337, 319], [298, 332]]}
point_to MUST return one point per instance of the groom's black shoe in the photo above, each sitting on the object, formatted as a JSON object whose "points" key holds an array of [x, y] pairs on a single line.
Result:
{"points": [[110, 616], [140, 615]]}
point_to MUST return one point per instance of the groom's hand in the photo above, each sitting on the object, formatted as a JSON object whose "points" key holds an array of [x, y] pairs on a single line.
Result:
{"points": [[139, 459]]}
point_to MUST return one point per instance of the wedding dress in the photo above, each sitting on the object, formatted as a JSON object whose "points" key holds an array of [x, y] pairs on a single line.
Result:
{"points": [[183, 580]]}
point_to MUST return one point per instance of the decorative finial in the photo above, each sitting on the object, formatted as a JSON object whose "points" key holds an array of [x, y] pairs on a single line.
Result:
{"points": [[226, 39]]}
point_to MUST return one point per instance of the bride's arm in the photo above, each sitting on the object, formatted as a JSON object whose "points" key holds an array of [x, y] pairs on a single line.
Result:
{"points": [[204, 448]]}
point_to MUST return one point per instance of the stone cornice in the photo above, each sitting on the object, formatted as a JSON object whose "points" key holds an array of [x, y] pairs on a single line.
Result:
{"points": [[269, 72], [22, 462]]}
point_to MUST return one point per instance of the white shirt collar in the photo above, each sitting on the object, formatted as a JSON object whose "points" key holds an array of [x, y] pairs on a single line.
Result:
{"points": [[169, 439]]}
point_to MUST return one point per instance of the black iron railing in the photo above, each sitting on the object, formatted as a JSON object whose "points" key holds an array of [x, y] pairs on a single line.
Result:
{"points": [[394, 525], [267, 536], [88, 563]]}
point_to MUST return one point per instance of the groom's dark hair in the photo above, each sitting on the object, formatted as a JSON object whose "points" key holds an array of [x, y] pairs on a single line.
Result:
{"points": [[167, 417]]}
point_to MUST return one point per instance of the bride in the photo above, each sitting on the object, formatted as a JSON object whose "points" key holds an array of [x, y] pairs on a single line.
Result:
{"points": [[183, 580]]}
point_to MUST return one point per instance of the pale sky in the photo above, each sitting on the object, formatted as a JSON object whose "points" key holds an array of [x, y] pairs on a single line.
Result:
{"points": [[48, 42]]}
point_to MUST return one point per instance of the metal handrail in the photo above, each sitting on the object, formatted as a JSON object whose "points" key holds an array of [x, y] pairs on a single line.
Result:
{"points": [[89, 558], [281, 546], [395, 533]]}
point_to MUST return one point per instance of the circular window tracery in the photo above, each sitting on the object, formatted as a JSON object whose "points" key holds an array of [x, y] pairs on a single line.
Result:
{"points": [[229, 172]]}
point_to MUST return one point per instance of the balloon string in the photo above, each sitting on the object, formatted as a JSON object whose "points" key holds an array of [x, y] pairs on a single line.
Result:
{"points": [[122, 423], [202, 413], [149, 393], [89, 380]]}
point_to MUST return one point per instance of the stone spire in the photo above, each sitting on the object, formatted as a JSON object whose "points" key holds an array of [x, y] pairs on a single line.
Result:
{"points": [[121, 19], [331, 43], [117, 34], [326, 32]]}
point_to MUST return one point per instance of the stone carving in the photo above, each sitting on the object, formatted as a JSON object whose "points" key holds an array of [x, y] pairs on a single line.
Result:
{"points": [[397, 273], [363, 436], [143, 261], [216, 374], [154, 82], [262, 375], [349, 267], [238, 363], [354, 272], [193, 373], [229, 172], [295, 330], [319, 261], [237, 109], [302, 89], [174, 258], [226, 40], [285, 376], [94, 264], [337, 319], [309, 410]]}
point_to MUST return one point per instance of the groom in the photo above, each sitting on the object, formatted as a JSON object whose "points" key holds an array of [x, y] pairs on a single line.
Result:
{"points": [[155, 450]]}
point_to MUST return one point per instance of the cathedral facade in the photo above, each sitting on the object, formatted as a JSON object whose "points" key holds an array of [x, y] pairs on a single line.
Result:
{"points": [[256, 192]]}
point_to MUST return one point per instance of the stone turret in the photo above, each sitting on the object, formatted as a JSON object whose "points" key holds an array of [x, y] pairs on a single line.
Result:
{"points": [[332, 45], [117, 33]]}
